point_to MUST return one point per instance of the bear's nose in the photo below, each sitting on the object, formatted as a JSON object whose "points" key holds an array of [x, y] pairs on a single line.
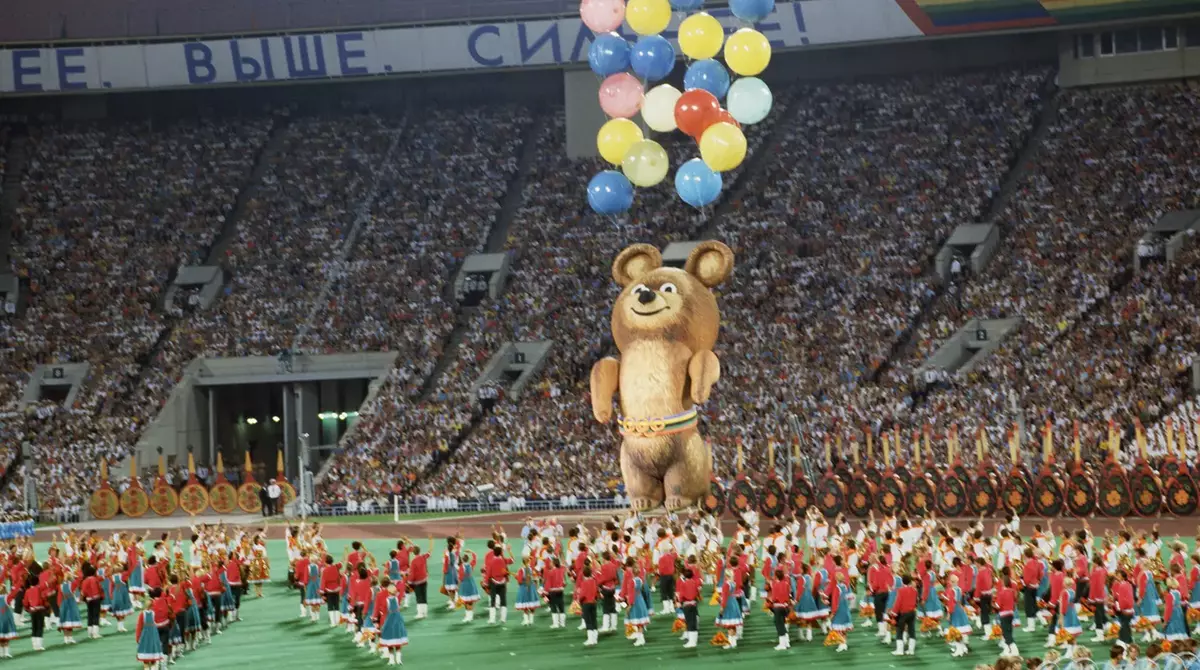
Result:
{"points": [[646, 297]]}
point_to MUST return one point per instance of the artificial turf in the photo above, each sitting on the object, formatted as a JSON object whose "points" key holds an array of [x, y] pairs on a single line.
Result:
{"points": [[271, 635]]}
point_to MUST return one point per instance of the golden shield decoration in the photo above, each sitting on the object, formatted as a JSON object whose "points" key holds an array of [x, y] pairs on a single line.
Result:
{"points": [[287, 491], [164, 500], [246, 497], [105, 504], [134, 502], [193, 498], [223, 498]]}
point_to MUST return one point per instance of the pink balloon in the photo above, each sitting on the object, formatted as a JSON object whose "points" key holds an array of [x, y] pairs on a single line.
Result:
{"points": [[602, 16], [621, 95]]}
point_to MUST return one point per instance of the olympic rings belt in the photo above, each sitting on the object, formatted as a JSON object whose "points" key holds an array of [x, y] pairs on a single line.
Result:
{"points": [[655, 427]]}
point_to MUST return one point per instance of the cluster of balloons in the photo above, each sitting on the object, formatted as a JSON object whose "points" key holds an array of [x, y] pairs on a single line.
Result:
{"points": [[628, 69]]}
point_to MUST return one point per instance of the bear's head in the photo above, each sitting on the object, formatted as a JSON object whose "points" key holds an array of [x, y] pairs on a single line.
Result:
{"points": [[668, 303]]}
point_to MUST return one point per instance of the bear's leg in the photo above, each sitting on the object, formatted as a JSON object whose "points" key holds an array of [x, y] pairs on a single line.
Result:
{"points": [[645, 491], [687, 479]]}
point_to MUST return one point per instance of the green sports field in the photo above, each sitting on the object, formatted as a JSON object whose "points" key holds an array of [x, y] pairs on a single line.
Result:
{"points": [[272, 636]]}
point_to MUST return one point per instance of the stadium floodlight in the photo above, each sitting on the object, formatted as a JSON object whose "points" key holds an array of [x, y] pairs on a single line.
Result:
{"points": [[252, 421], [275, 419], [342, 416]]}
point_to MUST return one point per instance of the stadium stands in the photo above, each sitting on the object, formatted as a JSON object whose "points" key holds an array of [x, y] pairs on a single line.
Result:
{"points": [[344, 232], [1107, 171]]}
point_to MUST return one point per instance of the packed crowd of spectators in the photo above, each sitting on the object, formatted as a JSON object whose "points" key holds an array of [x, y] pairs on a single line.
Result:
{"points": [[546, 443], [860, 184], [106, 212], [1112, 164], [439, 204]]}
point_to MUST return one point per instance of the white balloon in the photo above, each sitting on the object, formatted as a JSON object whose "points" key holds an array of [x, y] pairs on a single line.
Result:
{"points": [[749, 100], [658, 108]]}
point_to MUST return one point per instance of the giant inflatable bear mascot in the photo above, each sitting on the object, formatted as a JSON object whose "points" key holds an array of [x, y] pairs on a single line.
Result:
{"points": [[665, 323]]}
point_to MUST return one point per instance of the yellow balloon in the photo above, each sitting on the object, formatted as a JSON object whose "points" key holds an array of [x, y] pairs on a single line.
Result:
{"points": [[615, 138], [645, 163], [648, 17], [700, 36], [747, 52], [723, 146]]}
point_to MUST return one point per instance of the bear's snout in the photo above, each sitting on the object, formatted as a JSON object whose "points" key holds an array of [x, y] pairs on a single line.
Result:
{"points": [[646, 297]]}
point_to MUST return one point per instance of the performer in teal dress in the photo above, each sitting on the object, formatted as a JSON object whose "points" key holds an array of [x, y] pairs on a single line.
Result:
{"points": [[528, 599], [842, 621], [149, 647], [122, 604], [730, 617], [312, 590], [468, 589], [394, 635], [1176, 614], [806, 605], [637, 614], [68, 612], [8, 624]]}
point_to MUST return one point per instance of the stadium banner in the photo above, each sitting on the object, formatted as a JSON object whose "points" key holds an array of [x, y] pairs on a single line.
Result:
{"points": [[371, 53]]}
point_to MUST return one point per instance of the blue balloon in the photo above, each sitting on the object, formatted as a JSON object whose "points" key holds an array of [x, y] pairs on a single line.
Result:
{"points": [[652, 58], [686, 5], [609, 54], [752, 10], [709, 75], [697, 184], [609, 192]]}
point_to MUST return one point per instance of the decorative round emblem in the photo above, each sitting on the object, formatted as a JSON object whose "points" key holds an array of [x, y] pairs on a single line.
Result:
{"points": [[1147, 492], [984, 496], [832, 495], [1181, 495], [287, 491], [224, 499], [952, 496], [774, 499], [861, 496], [1017, 493], [1081, 494], [134, 502], [164, 500], [801, 495], [742, 497], [105, 503], [714, 502], [1048, 496], [1114, 497], [193, 498]]}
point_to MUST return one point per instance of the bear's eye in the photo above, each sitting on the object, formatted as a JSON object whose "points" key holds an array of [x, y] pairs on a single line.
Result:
{"points": [[668, 288], [640, 288]]}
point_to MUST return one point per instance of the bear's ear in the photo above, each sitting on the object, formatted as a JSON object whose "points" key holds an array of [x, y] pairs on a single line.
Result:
{"points": [[711, 262], [635, 262]]}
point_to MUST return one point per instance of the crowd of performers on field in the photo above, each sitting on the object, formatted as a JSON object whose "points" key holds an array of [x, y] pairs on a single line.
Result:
{"points": [[176, 595], [920, 579]]}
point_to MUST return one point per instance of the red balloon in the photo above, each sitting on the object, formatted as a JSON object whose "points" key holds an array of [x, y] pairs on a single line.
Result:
{"points": [[696, 110], [726, 117]]}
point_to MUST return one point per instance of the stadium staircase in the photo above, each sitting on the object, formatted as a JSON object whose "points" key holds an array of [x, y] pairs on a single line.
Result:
{"points": [[362, 213], [745, 180], [11, 468], [1020, 167], [496, 240], [464, 316], [10, 195], [515, 194], [215, 253], [266, 156]]}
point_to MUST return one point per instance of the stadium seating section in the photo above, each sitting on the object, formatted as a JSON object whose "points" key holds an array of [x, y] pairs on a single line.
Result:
{"points": [[849, 192]]}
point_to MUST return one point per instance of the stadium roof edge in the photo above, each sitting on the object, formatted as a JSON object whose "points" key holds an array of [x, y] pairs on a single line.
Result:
{"points": [[481, 20]]}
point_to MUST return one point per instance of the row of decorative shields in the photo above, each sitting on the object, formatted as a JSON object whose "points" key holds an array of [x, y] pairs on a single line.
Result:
{"points": [[194, 498], [917, 489]]}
